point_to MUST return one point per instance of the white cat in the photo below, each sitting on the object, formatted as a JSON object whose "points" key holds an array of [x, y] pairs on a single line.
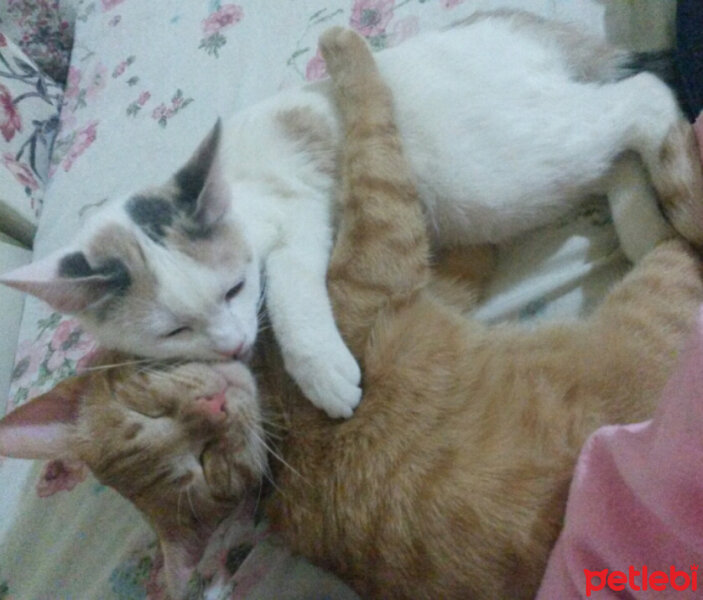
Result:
{"points": [[507, 120]]}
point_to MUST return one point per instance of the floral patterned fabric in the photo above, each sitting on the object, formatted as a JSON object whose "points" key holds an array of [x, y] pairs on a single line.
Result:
{"points": [[146, 82], [44, 31], [29, 107]]}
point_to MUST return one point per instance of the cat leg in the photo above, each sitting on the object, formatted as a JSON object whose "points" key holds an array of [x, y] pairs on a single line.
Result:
{"points": [[667, 146], [381, 252], [637, 218], [302, 319]]}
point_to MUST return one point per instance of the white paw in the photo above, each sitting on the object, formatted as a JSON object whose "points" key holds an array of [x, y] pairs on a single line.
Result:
{"points": [[328, 375]]}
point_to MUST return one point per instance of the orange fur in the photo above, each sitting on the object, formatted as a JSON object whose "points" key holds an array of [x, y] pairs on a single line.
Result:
{"points": [[451, 479]]}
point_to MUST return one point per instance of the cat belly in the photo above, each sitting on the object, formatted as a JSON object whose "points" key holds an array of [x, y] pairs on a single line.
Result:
{"points": [[500, 138]]}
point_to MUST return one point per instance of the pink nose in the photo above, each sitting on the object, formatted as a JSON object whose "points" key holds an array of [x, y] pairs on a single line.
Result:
{"points": [[213, 406], [233, 353]]}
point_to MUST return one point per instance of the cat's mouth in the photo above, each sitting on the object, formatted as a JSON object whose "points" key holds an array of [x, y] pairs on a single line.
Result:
{"points": [[237, 377]]}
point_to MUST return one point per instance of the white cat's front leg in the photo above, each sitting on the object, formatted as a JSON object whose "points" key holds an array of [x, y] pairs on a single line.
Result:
{"points": [[301, 314]]}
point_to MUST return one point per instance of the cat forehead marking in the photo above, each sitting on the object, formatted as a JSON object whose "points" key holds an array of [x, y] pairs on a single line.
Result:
{"points": [[165, 211], [152, 214]]}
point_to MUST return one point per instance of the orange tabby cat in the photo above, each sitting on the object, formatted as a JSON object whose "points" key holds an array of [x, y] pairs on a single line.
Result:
{"points": [[451, 479]]}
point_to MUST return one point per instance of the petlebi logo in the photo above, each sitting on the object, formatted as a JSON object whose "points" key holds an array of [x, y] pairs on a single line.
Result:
{"points": [[642, 580]]}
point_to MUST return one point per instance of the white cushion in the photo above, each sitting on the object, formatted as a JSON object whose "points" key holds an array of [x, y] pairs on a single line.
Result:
{"points": [[11, 256]]}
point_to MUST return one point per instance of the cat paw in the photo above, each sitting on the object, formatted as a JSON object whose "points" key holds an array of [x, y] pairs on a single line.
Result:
{"points": [[329, 377], [344, 51]]}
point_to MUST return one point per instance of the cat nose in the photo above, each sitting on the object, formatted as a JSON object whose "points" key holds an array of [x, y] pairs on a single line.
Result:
{"points": [[214, 406], [233, 353]]}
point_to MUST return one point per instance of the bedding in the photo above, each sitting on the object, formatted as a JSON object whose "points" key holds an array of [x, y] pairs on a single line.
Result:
{"points": [[146, 81], [29, 118]]}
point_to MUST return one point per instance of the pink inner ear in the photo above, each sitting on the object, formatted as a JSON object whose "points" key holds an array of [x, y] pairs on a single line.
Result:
{"points": [[40, 271], [40, 428], [66, 295]]}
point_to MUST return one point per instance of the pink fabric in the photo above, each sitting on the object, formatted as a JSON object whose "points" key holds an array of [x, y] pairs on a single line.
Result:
{"points": [[637, 499]]}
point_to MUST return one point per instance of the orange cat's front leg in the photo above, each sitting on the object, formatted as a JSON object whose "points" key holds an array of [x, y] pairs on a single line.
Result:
{"points": [[381, 253]]}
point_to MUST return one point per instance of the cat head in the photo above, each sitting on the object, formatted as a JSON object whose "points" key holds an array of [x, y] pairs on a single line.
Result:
{"points": [[183, 443], [163, 273]]}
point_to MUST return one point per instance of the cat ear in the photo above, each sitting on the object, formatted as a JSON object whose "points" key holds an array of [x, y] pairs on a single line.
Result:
{"points": [[41, 428], [203, 191], [66, 281]]}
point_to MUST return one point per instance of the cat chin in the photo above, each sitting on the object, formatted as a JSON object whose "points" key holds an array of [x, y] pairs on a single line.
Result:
{"points": [[237, 375]]}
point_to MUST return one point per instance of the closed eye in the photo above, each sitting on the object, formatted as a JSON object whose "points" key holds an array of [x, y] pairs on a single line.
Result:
{"points": [[177, 331], [233, 291]]}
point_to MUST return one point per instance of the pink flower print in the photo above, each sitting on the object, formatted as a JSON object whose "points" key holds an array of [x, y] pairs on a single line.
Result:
{"points": [[3, 41], [82, 141], [119, 69], [73, 80], [143, 98], [29, 357], [316, 68], [69, 343], [404, 29], [110, 4], [22, 173], [98, 81], [225, 16], [10, 120], [160, 112], [60, 475], [449, 3], [370, 17], [163, 113]]}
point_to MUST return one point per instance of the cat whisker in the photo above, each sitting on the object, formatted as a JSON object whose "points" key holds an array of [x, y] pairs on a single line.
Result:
{"points": [[271, 434], [273, 423], [273, 453], [192, 508], [178, 506], [168, 376], [258, 495], [262, 295], [126, 363]]}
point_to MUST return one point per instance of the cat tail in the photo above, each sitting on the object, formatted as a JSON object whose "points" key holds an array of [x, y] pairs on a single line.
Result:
{"points": [[658, 62], [381, 254], [652, 310], [639, 330], [637, 218]]}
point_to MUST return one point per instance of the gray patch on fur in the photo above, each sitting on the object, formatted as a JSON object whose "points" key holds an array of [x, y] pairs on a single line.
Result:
{"points": [[153, 214], [75, 266], [111, 277]]}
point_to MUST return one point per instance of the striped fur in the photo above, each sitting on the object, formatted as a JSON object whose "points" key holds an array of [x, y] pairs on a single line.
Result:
{"points": [[451, 479]]}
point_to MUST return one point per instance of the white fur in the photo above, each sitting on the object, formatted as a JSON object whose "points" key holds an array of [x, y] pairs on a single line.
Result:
{"points": [[501, 138]]}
